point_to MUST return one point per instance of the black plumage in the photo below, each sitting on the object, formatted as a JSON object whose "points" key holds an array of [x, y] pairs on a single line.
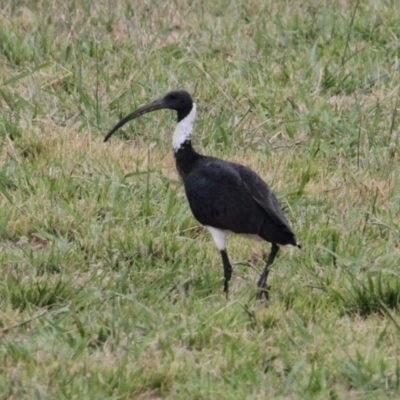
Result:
{"points": [[241, 201], [224, 196]]}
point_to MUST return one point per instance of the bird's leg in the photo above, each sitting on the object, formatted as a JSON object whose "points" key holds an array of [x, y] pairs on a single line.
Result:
{"points": [[219, 236], [262, 282], [227, 270]]}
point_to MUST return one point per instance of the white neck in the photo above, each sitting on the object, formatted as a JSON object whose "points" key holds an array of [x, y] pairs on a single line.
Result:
{"points": [[184, 129]]}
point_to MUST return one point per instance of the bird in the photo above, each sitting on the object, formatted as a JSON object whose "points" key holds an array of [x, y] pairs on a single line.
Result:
{"points": [[223, 196]]}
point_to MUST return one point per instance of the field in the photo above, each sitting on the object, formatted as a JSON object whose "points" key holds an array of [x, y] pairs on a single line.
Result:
{"points": [[110, 288]]}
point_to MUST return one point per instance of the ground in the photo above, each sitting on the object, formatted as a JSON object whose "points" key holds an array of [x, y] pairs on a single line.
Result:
{"points": [[110, 288]]}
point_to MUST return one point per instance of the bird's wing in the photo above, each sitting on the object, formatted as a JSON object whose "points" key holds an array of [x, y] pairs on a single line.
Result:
{"points": [[263, 195], [229, 196]]}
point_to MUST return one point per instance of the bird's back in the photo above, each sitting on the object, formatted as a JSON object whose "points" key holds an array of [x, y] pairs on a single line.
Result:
{"points": [[230, 196]]}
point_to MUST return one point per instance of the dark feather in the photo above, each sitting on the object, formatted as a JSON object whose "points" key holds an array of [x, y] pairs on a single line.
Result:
{"points": [[226, 195]]}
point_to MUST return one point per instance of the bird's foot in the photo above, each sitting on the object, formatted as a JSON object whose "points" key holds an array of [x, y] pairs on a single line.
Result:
{"points": [[263, 291]]}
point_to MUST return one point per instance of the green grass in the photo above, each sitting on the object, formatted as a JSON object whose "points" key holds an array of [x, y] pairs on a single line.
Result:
{"points": [[110, 289]]}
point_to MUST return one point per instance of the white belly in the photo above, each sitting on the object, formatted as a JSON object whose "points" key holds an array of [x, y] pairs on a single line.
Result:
{"points": [[219, 236]]}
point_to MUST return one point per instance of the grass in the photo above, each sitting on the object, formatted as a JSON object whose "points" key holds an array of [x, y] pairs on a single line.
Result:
{"points": [[110, 288]]}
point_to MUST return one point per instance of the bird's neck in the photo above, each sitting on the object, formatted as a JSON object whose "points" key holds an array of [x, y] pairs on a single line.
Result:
{"points": [[184, 129], [185, 156]]}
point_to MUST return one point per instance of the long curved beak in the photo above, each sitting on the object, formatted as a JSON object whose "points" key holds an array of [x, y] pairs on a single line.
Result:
{"points": [[154, 105]]}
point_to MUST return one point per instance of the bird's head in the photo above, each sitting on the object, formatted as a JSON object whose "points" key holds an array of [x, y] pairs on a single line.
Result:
{"points": [[178, 100]]}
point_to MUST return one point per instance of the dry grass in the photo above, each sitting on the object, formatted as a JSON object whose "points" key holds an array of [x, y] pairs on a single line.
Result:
{"points": [[110, 288]]}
